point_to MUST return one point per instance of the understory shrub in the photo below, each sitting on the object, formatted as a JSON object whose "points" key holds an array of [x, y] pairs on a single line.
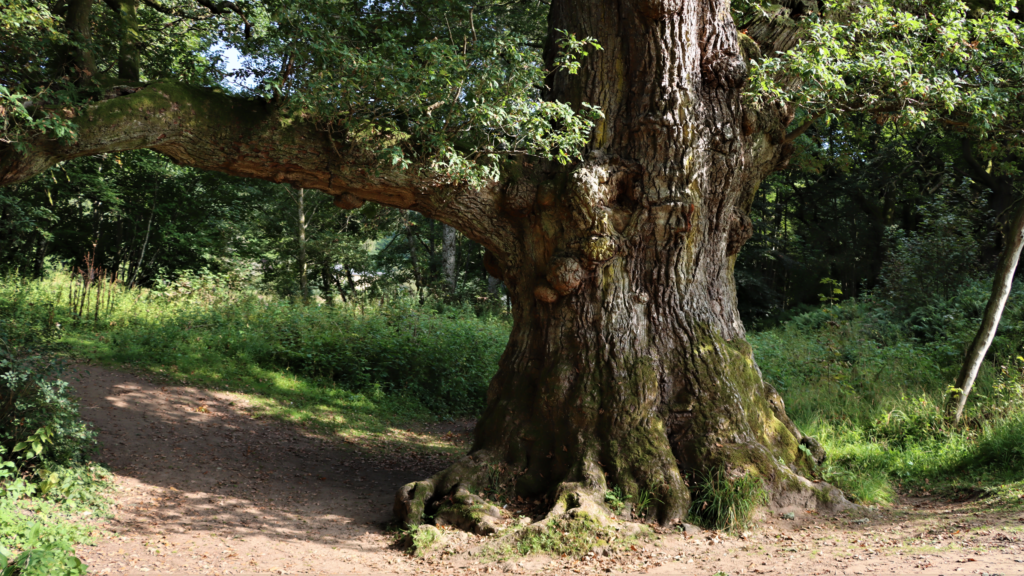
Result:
{"points": [[42, 559], [36, 409], [47, 486]]}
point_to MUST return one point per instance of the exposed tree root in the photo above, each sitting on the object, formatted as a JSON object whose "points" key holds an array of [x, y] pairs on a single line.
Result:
{"points": [[450, 498]]}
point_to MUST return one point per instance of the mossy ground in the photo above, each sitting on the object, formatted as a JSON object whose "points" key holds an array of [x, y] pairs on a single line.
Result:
{"points": [[573, 537]]}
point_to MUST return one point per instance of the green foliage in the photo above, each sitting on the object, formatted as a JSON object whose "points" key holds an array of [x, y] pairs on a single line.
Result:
{"points": [[42, 559], [39, 421], [924, 61], [643, 501], [876, 209], [999, 447], [47, 487], [420, 539], [933, 261], [453, 87], [573, 537], [721, 503], [445, 362], [378, 351], [615, 499], [871, 386]]}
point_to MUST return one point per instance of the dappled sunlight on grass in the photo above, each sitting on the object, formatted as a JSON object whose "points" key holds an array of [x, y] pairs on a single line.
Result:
{"points": [[874, 397]]}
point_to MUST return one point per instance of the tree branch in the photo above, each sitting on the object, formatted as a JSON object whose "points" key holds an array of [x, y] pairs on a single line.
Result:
{"points": [[801, 128], [210, 131]]}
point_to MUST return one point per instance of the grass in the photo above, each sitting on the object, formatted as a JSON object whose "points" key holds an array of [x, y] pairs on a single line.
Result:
{"points": [[873, 391], [573, 537], [869, 387], [58, 516], [721, 503], [359, 372]]}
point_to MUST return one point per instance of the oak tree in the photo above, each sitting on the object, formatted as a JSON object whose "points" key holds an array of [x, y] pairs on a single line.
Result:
{"points": [[606, 163]]}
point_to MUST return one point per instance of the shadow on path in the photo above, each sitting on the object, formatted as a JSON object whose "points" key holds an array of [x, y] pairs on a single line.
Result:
{"points": [[204, 488]]}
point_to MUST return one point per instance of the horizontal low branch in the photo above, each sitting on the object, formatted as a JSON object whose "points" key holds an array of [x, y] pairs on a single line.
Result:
{"points": [[204, 129]]}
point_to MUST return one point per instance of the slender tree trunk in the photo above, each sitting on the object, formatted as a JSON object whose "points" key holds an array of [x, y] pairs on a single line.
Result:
{"points": [[414, 261], [303, 264], [142, 253], [449, 244], [126, 12], [1002, 283], [40, 259], [79, 60]]}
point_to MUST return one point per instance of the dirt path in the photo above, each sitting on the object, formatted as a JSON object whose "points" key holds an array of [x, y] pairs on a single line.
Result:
{"points": [[203, 488]]}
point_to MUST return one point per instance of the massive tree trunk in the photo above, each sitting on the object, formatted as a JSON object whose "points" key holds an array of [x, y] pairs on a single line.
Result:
{"points": [[627, 363]]}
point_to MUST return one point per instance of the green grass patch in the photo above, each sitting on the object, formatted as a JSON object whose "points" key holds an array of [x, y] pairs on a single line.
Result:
{"points": [[873, 391], [354, 370], [720, 503], [573, 537]]}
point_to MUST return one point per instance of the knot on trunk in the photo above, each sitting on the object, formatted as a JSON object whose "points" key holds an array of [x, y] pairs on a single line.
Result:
{"points": [[520, 196], [598, 249], [545, 293], [565, 275], [741, 228], [657, 9], [723, 69], [595, 186], [346, 201]]}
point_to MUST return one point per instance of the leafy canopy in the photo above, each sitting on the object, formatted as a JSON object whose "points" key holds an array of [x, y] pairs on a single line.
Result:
{"points": [[936, 63], [449, 86]]}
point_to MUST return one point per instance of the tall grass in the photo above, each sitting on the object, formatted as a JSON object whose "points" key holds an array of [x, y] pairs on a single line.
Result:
{"points": [[353, 363], [873, 390]]}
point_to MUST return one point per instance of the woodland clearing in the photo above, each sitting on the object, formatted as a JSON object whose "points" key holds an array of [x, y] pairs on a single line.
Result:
{"points": [[204, 485]]}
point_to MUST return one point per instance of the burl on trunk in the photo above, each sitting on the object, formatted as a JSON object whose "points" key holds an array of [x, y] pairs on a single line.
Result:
{"points": [[627, 363]]}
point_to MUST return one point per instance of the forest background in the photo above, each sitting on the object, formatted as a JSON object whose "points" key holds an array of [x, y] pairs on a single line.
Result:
{"points": [[865, 279]]}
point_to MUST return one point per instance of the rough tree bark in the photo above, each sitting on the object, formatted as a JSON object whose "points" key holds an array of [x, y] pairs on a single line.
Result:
{"points": [[627, 363]]}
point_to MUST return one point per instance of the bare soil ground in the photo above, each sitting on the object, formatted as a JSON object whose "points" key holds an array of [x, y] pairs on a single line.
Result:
{"points": [[202, 487]]}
